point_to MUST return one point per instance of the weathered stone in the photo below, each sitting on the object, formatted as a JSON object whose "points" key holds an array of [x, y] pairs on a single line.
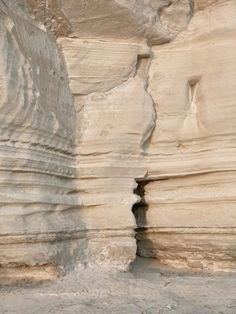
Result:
{"points": [[37, 163], [191, 216], [132, 101]]}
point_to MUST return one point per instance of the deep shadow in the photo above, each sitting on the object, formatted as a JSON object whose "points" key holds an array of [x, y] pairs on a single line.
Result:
{"points": [[145, 247]]}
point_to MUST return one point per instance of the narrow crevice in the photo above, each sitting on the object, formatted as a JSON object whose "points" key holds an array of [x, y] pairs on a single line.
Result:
{"points": [[140, 210], [148, 134]]}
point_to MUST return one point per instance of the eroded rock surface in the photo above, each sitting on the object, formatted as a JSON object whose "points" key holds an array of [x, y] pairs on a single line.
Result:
{"points": [[192, 81], [37, 163], [100, 96]]}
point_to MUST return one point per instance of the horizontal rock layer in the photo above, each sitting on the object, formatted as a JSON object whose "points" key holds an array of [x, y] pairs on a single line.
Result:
{"points": [[37, 144], [129, 102], [190, 220]]}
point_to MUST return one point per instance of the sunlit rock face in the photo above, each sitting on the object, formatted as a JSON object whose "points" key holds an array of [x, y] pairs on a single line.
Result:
{"points": [[191, 216], [109, 106]]}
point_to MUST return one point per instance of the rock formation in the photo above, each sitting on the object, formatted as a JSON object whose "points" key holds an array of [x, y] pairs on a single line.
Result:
{"points": [[191, 216], [37, 163], [118, 133]]}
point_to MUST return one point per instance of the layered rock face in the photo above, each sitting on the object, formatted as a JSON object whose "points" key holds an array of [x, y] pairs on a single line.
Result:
{"points": [[191, 218], [109, 105], [37, 163]]}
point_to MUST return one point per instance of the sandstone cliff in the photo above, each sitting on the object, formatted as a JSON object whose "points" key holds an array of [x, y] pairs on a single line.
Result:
{"points": [[118, 132]]}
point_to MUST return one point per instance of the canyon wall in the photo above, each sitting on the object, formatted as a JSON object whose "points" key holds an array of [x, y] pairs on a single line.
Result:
{"points": [[37, 156], [118, 133], [191, 218]]}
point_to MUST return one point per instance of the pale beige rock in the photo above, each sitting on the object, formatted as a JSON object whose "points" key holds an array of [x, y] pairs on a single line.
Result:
{"points": [[98, 66], [37, 164], [190, 220], [115, 118], [155, 20], [145, 94]]}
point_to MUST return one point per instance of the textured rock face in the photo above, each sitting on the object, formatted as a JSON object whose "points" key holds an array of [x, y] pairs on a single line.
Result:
{"points": [[123, 92], [191, 216], [38, 172], [155, 20]]}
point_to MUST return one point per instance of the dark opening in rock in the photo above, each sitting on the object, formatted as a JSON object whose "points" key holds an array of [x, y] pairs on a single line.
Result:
{"points": [[139, 210]]}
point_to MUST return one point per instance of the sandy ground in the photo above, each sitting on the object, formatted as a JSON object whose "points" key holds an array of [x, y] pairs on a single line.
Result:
{"points": [[144, 290]]}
